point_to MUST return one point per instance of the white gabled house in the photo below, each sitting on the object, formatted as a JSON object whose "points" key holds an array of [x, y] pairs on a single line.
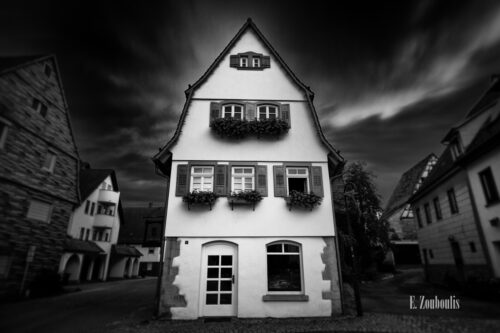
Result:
{"points": [[249, 127]]}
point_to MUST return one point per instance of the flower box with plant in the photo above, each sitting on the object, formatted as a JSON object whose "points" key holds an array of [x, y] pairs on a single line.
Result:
{"points": [[303, 200], [244, 197], [200, 198], [237, 128]]}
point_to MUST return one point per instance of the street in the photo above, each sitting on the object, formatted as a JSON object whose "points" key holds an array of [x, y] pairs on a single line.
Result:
{"points": [[97, 308]]}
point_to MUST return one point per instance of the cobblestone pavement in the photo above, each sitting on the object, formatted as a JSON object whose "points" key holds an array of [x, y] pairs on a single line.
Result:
{"points": [[370, 322]]}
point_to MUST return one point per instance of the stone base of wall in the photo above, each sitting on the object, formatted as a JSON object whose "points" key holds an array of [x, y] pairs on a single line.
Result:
{"points": [[17, 234], [331, 273], [170, 296]]}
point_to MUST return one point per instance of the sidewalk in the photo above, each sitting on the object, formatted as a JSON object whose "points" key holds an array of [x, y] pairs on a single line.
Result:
{"points": [[370, 322], [100, 285]]}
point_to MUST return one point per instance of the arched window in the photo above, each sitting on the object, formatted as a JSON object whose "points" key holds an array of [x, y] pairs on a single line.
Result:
{"points": [[284, 267], [232, 111], [267, 112]]}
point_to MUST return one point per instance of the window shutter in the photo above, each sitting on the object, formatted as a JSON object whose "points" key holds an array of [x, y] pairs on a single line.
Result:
{"points": [[266, 61], [279, 181], [220, 183], [182, 186], [317, 181], [214, 111], [261, 181], [39, 211], [250, 111], [234, 61], [285, 113]]}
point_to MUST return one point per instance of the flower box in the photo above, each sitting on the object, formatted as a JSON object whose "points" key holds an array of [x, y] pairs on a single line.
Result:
{"points": [[303, 200], [237, 128], [200, 198], [244, 198]]}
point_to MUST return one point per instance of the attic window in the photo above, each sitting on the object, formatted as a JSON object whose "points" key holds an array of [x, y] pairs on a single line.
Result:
{"points": [[456, 149], [39, 107], [250, 61]]}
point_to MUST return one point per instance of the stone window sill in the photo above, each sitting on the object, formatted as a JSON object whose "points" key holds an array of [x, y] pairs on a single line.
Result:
{"points": [[285, 298]]}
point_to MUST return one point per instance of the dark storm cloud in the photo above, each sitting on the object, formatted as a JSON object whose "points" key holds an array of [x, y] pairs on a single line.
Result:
{"points": [[384, 72]]}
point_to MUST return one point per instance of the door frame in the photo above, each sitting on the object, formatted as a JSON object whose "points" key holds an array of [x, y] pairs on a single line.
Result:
{"points": [[203, 277]]}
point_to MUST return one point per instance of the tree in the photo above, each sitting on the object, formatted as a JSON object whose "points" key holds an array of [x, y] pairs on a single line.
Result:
{"points": [[361, 202]]}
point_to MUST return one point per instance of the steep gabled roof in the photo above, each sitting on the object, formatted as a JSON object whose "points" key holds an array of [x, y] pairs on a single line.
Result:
{"points": [[90, 179], [406, 186], [164, 154], [133, 231]]}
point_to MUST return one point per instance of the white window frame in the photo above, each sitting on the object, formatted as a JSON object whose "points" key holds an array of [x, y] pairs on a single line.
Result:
{"points": [[243, 176], [256, 62], [266, 107], [233, 111], [39, 202], [243, 61], [297, 175], [50, 159], [302, 291], [206, 178]]}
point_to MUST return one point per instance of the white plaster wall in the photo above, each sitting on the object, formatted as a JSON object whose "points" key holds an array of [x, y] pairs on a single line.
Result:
{"points": [[461, 226], [270, 218], [229, 82], [486, 213], [252, 278], [198, 142]]}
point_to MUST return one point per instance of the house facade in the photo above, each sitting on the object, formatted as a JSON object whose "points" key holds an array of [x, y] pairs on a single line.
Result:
{"points": [[94, 227], [402, 223], [39, 166], [144, 231], [249, 126], [456, 207]]}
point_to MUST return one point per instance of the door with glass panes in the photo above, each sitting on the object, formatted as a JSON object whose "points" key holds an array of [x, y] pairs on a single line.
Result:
{"points": [[219, 280]]}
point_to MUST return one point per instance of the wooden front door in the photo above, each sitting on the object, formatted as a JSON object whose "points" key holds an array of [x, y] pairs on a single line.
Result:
{"points": [[219, 280]]}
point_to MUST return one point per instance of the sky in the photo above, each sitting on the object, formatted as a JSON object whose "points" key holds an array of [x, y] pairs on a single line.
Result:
{"points": [[390, 77]]}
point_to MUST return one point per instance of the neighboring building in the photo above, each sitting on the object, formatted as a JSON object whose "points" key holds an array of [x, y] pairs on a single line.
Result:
{"points": [[144, 231], [402, 224], [39, 166], [94, 227], [458, 206], [272, 259]]}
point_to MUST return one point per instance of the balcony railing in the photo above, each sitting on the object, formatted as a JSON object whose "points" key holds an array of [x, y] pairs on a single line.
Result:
{"points": [[103, 221], [109, 196]]}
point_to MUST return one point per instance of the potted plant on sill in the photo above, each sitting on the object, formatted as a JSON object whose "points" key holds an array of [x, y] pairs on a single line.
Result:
{"points": [[200, 197], [269, 127], [244, 197], [230, 127], [303, 200]]}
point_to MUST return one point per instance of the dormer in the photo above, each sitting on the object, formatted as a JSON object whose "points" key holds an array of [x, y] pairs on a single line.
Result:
{"points": [[250, 61]]}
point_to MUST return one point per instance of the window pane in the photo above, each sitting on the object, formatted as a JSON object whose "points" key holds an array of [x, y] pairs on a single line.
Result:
{"points": [[226, 272], [213, 272], [237, 109], [225, 298], [213, 260], [291, 248], [197, 170], [212, 285], [226, 260], [226, 286], [274, 248], [211, 299], [283, 272], [301, 171], [238, 170]]}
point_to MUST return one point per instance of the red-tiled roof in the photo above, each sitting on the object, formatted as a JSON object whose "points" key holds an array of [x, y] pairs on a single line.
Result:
{"points": [[81, 246], [406, 186], [133, 231]]}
